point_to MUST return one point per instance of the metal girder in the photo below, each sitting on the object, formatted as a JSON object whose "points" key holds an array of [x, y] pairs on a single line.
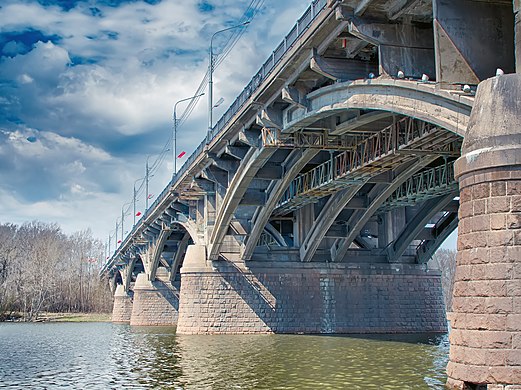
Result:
{"points": [[424, 185], [430, 208], [360, 217], [368, 157]]}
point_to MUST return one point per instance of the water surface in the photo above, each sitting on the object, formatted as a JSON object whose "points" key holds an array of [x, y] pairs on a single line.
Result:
{"points": [[107, 356]]}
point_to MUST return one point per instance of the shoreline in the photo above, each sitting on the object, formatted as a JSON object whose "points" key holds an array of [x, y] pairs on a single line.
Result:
{"points": [[63, 317]]}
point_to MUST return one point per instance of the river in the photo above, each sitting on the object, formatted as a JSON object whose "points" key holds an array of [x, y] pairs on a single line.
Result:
{"points": [[107, 356]]}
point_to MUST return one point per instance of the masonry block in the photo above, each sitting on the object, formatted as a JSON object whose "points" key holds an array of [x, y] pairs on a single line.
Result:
{"points": [[155, 303], [122, 308], [224, 298], [486, 318]]}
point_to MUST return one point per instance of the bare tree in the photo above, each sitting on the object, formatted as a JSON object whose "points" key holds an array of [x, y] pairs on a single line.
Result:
{"points": [[445, 261], [43, 269]]}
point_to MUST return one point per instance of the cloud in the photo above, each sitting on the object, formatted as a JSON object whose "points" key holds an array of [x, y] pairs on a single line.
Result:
{"points": [[95, 87]]}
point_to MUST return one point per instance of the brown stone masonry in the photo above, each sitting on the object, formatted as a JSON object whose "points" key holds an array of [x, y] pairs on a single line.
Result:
{"points": [[486, 321]]}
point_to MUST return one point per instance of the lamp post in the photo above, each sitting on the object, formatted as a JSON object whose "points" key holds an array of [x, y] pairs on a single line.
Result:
{"points": [[134, 198], [147, 176], [210, 77], [174, 139], [116, 238], [123, 219]]}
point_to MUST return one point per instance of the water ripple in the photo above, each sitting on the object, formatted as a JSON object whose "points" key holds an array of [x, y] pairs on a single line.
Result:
{"points": [[106, 356]]}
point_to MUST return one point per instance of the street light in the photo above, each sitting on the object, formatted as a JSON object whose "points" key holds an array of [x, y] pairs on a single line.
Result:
{"points": [[123, 219], [134, 198], [147, 176], [210, 78], [174, 146]]}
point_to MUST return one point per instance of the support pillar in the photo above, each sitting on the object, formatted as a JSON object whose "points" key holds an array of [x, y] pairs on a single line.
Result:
{"points": [[485, 349], [122, 306], [517, 33], [294, 297], [155, 303]]}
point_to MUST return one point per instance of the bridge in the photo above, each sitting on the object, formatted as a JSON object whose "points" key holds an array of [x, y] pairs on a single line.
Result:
{"points": [[373, 130]]}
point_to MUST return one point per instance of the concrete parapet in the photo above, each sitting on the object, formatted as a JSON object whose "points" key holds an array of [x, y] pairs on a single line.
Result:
{"points": [[296, 297], [155, 303], [122, 309], [486, 319]]}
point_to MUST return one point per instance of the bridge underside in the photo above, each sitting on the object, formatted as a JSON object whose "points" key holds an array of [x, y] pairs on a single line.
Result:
{"points": [[328, 185]]}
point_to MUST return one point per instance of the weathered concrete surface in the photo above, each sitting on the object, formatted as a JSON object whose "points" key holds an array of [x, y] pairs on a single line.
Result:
{"points": [[155, 303], [517, 16], [296, 297], [472, 39], [122, 309], [486, 325]]}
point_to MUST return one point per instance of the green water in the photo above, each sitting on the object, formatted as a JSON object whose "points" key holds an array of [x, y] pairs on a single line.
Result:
{"points": [[106, 356]]}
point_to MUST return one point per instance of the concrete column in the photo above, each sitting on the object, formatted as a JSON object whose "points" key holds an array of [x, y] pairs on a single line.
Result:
{"points": [[122, 306], [517, 21], [155, 303], [486, 322], [297, 297]]}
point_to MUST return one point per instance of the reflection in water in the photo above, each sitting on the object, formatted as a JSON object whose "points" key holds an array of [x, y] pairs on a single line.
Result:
{"points": [[108, 356]]}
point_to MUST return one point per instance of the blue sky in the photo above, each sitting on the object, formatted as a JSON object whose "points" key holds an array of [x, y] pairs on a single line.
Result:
{"points": [[87, 90]]}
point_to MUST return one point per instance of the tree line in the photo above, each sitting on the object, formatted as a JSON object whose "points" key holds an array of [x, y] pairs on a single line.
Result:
{"points": [[43, 269]]}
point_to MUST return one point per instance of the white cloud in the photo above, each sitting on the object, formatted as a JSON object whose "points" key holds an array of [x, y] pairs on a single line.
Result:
{"points": [[99, 99]]}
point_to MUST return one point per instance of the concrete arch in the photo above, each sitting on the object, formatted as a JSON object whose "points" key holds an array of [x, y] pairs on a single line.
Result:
{"points": [[157, 247], [423, 101], [253, 161]]}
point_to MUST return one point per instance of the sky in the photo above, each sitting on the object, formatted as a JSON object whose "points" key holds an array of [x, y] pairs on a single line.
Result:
{"points": [[87, 90]]}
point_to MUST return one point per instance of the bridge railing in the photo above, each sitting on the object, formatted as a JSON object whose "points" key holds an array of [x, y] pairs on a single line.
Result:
{"points": [[273, 60]]}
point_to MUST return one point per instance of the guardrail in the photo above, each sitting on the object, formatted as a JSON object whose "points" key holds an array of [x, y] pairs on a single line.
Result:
{"points": [[267, 67]]}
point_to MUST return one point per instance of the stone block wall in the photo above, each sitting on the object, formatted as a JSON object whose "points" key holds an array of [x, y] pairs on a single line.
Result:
{"points": [[485, 339], [122, 308], [310, 298], [486, 324], [155, 303]]}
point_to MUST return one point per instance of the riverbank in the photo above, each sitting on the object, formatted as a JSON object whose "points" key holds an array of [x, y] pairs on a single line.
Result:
{"points": [[64, 317]]}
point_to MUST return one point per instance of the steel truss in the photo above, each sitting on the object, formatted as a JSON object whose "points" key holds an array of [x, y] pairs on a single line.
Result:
{"points": [[424, 185], [367, 157]]}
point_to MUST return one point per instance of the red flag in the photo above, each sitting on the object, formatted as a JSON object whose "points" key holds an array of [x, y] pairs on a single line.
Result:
{"points": [[138, 213], [181, 154], [119, 241]]}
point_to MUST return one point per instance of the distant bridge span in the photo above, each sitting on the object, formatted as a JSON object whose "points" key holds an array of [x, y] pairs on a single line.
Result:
{"points": [[321, 193]]}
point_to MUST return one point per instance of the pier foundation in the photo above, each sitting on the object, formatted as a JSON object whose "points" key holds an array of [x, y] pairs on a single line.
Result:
{"points": [[155, 303], [485, 350], [122, 309], [294, 297]]}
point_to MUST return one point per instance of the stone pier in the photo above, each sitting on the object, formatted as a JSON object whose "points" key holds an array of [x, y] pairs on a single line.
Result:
{"points": [[294, 297], [486, 326], [122, 309], [155, 303]]}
